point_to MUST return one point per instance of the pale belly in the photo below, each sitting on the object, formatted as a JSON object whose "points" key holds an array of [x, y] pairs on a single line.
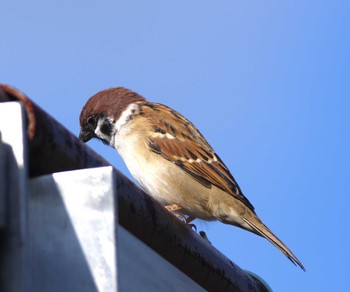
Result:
{"points": [[167, 183]]}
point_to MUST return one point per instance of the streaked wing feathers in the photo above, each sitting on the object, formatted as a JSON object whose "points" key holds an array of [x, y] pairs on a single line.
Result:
{"points": [[177, 140]]}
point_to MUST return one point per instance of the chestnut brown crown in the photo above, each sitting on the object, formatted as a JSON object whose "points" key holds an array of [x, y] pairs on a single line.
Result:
{"points": [[109, 102]]}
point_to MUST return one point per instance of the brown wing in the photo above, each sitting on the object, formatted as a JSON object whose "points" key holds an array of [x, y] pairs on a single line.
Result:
{"points": [[177, 140]]}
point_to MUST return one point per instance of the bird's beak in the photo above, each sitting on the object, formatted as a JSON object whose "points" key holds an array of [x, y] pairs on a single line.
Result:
{"points": [[86, 135]]}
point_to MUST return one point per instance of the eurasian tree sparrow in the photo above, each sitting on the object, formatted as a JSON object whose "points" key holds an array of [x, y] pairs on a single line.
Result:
{"points": [[171, 160]]}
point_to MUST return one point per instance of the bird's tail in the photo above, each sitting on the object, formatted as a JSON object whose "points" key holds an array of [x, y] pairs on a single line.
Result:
{"points": [[262, 230]]}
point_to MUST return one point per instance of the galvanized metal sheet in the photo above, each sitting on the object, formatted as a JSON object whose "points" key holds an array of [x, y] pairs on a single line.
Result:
{"points": [[14, 260], [142, 269], [72, 217]]}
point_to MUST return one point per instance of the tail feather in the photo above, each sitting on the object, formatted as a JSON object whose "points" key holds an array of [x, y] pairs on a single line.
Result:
{"points": [[265, 232]]}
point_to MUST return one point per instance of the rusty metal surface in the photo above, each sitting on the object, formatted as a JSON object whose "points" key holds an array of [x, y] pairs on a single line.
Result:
{"points": [[53, 148]]}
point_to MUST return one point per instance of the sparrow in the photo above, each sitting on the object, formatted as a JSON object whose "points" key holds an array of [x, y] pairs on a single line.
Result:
{"points": [[171, 160]]}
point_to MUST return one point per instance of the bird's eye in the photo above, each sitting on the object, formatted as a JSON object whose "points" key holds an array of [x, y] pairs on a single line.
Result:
{"points": [[91, 121]]}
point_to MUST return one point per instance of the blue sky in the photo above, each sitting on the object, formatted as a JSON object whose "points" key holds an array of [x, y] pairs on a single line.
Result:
{"points": [[267, 82]]}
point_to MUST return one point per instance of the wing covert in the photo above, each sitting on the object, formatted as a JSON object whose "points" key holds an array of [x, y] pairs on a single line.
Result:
{"points": [[177, 140]]}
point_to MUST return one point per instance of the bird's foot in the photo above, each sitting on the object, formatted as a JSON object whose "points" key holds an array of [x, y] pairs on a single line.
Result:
{"points": [[185, 219], [192, 226], [181, 217], [204, 236]]}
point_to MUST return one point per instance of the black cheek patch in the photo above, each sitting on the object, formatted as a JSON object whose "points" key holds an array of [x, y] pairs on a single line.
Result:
{"points": [[106, 128]]}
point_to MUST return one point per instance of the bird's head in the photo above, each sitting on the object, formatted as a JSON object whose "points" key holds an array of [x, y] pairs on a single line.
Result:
{"points": [[103, 112]]}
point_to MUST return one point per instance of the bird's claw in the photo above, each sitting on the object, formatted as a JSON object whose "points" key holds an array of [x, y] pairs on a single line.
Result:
{"points": [[173, 208], [204, 236]]}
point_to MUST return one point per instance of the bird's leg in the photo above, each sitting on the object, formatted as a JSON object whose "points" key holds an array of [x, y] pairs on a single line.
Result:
{"points": [[175, 207], [181, 217]]}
